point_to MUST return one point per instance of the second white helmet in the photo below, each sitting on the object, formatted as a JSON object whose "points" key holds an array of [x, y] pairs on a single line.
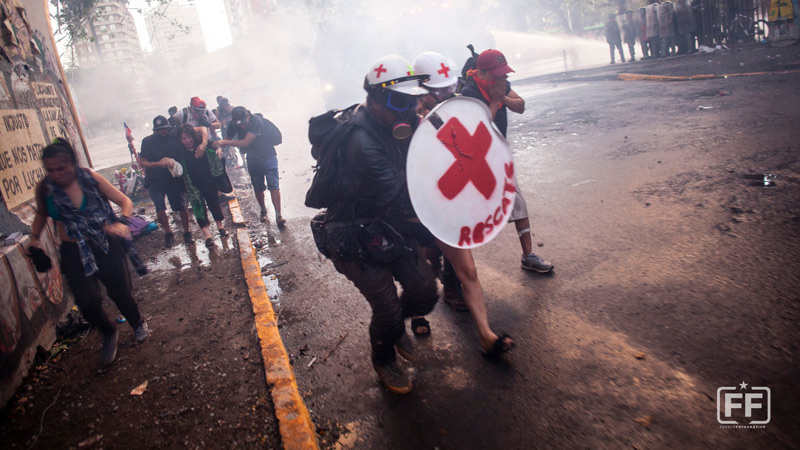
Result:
{"points": [[441, 70]]}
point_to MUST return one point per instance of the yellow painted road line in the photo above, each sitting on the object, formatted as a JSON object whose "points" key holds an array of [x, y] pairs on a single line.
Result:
{"points": [[294, 422], [642, 77]]}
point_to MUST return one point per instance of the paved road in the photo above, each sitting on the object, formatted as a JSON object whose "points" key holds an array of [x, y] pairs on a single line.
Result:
{"points": [[675, 276]]}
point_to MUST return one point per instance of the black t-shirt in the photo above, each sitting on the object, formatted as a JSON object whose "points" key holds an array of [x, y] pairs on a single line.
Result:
{"points": [[155, 147], [267, 137], [501, 118], [198, 168]]}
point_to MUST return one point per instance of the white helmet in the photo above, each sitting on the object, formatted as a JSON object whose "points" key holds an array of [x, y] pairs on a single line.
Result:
{"points": [[392, 72], [441, 70]]}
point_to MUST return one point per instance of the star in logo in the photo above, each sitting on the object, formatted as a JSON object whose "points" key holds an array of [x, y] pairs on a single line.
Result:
{"points": [[743, 385]]}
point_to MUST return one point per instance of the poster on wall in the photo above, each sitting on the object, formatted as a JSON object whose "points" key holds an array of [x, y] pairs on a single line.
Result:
{"points": [[49, 108], [21, 144]]}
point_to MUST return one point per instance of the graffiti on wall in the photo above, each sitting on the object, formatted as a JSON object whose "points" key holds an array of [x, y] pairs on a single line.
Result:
{"points": [[35, 107]]}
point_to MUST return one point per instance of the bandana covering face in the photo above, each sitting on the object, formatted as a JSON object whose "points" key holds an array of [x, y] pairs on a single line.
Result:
{"points": [[483, 85], [88, 224]]}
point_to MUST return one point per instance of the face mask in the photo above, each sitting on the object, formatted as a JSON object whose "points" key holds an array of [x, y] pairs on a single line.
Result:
{"points": [[405, 124], [403, 107]]}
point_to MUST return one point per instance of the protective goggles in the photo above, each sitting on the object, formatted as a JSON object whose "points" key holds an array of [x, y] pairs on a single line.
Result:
{"points": [[442, 93], [400, 102]]}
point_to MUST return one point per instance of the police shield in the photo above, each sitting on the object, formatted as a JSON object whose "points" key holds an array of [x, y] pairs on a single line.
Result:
{"points": [[666, 26], [628, 28], [640, 23], [621, 25], [460, 174], [684, 16], [652, 21]]}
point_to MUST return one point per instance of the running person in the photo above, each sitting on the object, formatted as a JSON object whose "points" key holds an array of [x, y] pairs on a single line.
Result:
{"points": [[94, 241]]}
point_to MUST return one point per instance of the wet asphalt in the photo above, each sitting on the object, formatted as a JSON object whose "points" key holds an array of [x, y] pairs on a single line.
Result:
{"points": [[675, 276]]}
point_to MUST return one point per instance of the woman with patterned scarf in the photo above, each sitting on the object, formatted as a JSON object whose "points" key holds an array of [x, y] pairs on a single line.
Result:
{"points": [[94, 241], [201, 165]]}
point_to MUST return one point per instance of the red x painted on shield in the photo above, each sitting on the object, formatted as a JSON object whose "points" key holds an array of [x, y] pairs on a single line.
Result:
{"points": [[444, 70], [470, 152], [379, 70]]}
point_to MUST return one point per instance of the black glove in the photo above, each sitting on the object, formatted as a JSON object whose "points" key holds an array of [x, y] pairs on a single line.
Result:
{"points": [[40, 259]]}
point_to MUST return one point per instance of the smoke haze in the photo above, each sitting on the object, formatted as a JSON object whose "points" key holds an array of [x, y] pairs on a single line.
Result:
{"points": [[300, 60]]}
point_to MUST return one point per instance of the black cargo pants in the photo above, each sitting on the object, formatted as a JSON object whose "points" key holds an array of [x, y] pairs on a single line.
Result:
{"points": [[389, 310], [112, 271]]}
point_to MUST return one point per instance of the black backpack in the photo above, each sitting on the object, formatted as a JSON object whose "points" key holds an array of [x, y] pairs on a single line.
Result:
{"points": [[328, 134], [469, 64]]}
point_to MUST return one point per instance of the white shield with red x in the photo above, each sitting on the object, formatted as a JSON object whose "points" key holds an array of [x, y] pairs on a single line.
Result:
{"points": [[460, 174]]}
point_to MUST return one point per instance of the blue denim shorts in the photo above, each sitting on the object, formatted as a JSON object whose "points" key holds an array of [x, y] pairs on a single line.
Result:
{"points": [[174, 192], [261, 170]]}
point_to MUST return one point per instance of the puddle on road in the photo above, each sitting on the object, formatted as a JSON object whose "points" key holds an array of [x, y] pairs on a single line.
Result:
{"points": [[263, 260], [273, 289], [763, 180], [182, 256]]}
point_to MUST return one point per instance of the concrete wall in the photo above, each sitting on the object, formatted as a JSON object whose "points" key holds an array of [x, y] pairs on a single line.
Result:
{"points": [[35, 107], [31, 304], [35, 104]]}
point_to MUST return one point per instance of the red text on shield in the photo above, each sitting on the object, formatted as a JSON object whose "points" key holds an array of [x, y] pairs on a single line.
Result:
{"points": [[478, 232], [470, 165]]}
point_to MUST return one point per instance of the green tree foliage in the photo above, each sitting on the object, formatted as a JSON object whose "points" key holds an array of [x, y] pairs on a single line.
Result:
{"points": [[72, 17]]}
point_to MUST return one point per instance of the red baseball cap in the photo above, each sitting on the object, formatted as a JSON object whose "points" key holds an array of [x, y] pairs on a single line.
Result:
{"points": [[494, 62], [197, 103]]}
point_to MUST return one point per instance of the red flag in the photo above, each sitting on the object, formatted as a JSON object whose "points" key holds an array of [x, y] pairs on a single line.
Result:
{"points": [[131, 147], [128, 133]]}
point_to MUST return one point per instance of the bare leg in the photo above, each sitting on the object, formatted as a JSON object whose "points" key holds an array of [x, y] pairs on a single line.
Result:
{"points": [[185, 220], [164, 221], [260, 199], [220, 225], [276, 201], [206, 232], [464, 265], [525, 238]]}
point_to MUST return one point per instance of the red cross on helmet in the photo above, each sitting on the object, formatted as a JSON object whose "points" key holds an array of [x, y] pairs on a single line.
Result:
{"points": [[392, 72], [442, 71]]}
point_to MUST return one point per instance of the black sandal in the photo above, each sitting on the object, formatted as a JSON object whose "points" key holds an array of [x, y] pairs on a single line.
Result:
{"points": [[499, 347], [418, 323]]}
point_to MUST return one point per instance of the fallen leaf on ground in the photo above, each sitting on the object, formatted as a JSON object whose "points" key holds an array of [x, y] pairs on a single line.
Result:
{"points": [[645, 421], [91, 441], [139, 390], [640, 355]]}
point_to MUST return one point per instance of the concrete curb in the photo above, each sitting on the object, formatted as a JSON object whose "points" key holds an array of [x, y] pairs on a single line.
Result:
{"points": [[294, 422]]}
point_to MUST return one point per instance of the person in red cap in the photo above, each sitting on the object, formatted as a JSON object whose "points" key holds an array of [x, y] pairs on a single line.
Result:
{"points": [[197, 115], [488, 82]]}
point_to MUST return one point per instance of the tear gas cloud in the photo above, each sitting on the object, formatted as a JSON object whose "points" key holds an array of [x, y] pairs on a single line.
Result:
{"points": [[305, 57]]}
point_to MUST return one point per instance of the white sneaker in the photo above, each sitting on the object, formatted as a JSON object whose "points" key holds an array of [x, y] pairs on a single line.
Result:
{"points": [[533, 262]]}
